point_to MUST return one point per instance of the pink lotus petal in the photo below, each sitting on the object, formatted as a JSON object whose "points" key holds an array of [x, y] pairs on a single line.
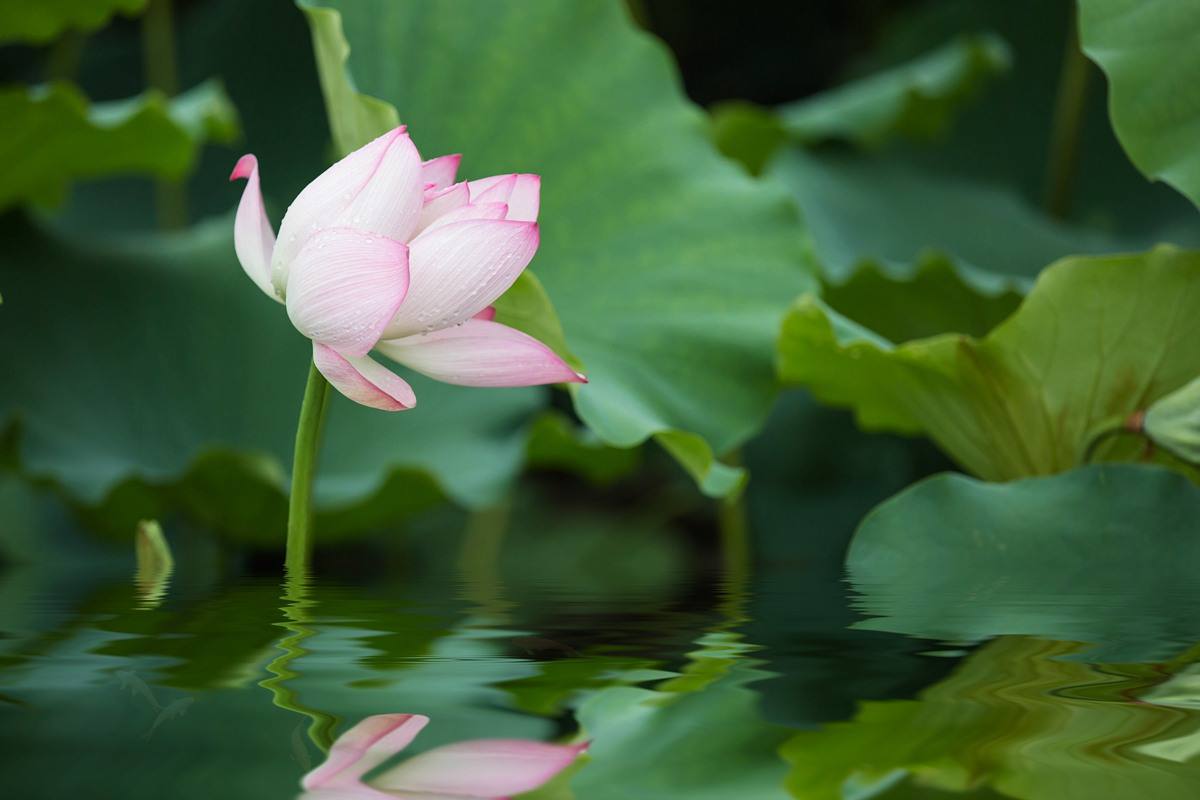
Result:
{"points": [[522, 193], [458, 269], [363, 380], [473, 211], [487, 314], [481, 353], [364, 747], [345, 286], [485, 768], [390, 202], [440, 172], [441, 202], [323, 201], [253, 238]]}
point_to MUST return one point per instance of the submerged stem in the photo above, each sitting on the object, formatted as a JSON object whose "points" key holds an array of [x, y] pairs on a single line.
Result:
{"points": [[1069, 106], [296, 619], [304, 466]]}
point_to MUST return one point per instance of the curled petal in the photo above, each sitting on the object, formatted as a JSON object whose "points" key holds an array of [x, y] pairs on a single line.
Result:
{"points": [[364, 747], [480, 352], [487, 768], [522, 193], [345, 286], [458, 269], [441, 202], [253, 238], [324, 200], [438, 173], [363, 380]]}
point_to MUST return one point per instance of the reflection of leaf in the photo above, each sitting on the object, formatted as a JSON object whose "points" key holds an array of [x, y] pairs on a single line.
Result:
{"points": [[154, 563], [186, 638], [549, 692], [665, 263], [705, 745], [595, 556], [1102, 554], [51, 137], [1097, 338], [915, 99], [40, 21], [803, 505], [1148, 52], [183, 359], [1015, 718]]}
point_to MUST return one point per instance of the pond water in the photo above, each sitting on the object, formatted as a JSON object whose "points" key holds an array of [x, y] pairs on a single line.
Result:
{"points": [[691, 680]]}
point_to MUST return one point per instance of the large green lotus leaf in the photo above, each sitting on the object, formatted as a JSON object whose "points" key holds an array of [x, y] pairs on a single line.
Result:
{"points": [[665, 263], [1004, 139], [1147, 49], [1097, 338], [929, 297], [172, 374], [42, 20], [882, 208], [51, 136], [1018, 719], [1100, 555], [917, 98]]}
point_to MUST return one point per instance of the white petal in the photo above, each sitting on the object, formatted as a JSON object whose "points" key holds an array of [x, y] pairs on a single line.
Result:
{"points": [[481, 353], [364, 380], [345, 287], [324, 200], [390, 202], [457, 270], [253, 238]]}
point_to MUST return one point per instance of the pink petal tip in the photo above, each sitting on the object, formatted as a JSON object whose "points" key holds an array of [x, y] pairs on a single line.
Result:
{"points": [[244, 167]]}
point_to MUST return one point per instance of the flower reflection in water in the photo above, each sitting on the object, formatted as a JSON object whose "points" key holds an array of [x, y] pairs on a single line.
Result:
{"points": [[481, 768]]}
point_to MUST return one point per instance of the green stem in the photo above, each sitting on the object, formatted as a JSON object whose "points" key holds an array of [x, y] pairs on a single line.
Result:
{"points": [[304, 467], [158, 45], [1069, 107]]}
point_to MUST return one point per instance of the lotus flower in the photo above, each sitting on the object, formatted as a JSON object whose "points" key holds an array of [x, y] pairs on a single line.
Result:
{"points": [[492, 769], [385, 251]]}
